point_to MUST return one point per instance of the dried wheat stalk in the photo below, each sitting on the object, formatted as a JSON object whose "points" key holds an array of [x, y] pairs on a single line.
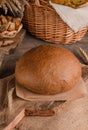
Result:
{"points": [[84, 54], [14, 6], [10, 99]]}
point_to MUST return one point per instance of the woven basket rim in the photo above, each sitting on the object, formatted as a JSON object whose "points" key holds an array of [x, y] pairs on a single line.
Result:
{"points": [[10, 34], [60, 31]]}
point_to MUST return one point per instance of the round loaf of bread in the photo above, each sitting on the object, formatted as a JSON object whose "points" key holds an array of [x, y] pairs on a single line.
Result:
{"points": [[48, 69]]}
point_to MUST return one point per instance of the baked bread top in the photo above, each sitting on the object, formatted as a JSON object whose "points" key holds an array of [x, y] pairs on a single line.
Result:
{"points": [[48, 69]]}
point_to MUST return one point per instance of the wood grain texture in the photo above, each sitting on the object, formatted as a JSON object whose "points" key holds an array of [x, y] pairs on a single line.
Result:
{"points": [[29, 122], [8, 65]]}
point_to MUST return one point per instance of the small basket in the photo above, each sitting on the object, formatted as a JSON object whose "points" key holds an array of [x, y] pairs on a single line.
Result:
{"points": [[10, 34], [42, 21]]}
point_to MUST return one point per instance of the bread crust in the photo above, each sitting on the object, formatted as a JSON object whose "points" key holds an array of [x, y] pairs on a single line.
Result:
{"points": [[48, 70]]}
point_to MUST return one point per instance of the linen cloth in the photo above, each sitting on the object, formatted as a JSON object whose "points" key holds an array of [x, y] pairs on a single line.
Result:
{"points": [[76, 19]]}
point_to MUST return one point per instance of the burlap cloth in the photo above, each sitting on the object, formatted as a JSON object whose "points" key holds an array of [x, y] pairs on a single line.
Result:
{"points": [[76, 19], [72, 115]]}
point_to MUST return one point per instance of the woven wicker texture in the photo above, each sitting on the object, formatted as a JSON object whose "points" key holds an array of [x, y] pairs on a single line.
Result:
{"points": [[42, 21]]}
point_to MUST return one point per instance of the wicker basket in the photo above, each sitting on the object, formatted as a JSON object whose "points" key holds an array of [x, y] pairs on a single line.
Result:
{"points": [[8, 34], [42, 21]]}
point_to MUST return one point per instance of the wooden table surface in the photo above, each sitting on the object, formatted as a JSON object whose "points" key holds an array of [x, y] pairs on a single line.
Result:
{"points": [[29, 123], [30, 42]]}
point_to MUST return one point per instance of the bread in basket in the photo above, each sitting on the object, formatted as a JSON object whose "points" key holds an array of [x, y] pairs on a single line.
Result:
{"points": [[71, 3], [9, 26]]}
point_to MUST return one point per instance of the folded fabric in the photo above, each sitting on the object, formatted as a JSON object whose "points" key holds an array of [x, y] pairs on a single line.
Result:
{"points": [[78, 91], [76, 19]]}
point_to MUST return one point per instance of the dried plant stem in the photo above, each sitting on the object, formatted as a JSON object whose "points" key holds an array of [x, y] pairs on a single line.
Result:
{"points": [[84, 54], [15, 7], [10, 99], [37, 2]]}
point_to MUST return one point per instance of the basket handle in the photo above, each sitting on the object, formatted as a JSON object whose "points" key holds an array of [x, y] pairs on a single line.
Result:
{"points": [[26, 3], [44, 3], [37, 2]]}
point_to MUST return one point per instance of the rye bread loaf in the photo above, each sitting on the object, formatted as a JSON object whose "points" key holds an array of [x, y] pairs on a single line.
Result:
{"points": [[48, 69]]}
